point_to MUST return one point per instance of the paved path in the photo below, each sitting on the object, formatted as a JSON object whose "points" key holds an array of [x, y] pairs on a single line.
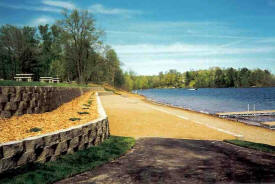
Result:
{"points": [[132, 116], [190, 150], [159, 160]]}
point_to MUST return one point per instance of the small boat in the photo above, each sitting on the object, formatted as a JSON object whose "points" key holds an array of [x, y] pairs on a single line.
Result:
{"points": [[193, 89]]}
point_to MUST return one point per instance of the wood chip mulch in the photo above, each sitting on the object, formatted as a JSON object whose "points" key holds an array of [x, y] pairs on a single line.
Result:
{"points": [[17, 128]]}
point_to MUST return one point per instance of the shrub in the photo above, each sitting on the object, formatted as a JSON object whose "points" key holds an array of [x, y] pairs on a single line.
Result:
{"points": [[35, 129], [74, 119], [83, 112]]}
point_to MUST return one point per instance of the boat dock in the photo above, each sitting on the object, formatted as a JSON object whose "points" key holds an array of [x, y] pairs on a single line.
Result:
{"points": [[270, 125], [246, 114]]}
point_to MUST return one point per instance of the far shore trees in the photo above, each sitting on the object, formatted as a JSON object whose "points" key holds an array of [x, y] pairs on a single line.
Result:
{"points": [[211, 78]]}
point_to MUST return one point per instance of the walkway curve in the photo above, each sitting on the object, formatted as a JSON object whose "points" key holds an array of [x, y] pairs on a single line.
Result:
{"points": [[178, 146]]}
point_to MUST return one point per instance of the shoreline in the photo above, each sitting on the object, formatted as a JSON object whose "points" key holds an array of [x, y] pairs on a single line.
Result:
{"points": [[134, 115], [249, 123]]}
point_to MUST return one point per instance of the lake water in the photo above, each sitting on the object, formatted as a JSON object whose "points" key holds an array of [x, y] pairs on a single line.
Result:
{"points": [[214, 100]]}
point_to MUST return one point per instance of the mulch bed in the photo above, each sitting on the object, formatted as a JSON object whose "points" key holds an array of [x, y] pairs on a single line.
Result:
{"points": [[17, 128]]}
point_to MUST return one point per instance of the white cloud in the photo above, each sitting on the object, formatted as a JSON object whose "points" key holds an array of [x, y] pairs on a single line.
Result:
{"points": [[267, 40], [153, 58], [30, 7], [59, 4], [173, 31], [188, 34], [191, 27], [46, 6], [100, 9], [152, 66], [189, 49], [42, 21]]}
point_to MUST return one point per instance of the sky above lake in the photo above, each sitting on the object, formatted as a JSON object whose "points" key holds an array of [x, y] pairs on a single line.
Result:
{"points": [[158, 35]]}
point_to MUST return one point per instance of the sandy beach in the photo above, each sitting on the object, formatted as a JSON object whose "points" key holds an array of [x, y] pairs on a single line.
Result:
{"points": [[132, 115]]}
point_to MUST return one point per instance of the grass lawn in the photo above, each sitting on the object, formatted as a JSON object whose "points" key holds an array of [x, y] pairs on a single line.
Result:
{"points": [[69, 165], [253, 145], [16, 83]]}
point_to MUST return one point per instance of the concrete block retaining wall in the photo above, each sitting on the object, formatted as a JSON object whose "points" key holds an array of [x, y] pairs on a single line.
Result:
{"points": [[29, 100], [48, 147]]}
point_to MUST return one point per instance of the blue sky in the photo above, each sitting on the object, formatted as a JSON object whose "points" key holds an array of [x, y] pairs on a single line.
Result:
{"points": [[158, 35]]}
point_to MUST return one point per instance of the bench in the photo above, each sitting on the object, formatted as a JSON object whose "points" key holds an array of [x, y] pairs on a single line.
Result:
{"points": [[21, 77], [55, 80], [46, 79]]}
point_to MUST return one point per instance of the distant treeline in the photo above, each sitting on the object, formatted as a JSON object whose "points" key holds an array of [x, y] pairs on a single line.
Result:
{"points": [[211, 78], [71, 49]]}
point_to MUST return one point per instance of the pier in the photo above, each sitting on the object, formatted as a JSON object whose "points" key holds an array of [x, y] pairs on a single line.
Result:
{"points": [[270, 125], [246, 114]]}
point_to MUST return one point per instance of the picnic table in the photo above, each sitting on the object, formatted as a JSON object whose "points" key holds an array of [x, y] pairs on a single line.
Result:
{"points": [[49, 79], [21, 77], [55, 80], [46, 79]]}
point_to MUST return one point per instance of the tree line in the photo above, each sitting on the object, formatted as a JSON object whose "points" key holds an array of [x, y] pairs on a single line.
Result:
{"points": [[211, 78], [71, 49]]}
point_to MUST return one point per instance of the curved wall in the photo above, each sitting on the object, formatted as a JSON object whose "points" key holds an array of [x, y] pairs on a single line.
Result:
{"points": [[48, 147], [21, 100]]}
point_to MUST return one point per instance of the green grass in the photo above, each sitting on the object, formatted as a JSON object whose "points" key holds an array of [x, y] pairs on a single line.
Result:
{"points": [[15, 83], [253, 145], [69, 165]]}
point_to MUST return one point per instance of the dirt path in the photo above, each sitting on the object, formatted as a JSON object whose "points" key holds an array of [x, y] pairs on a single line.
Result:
{"points": [[132, 116], [159, 160]]}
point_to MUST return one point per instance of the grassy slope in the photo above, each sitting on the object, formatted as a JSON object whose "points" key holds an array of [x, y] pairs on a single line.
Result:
{"points": [[252, 145], [111, 88], [70, 165], [116, 90], [15, 83]]}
